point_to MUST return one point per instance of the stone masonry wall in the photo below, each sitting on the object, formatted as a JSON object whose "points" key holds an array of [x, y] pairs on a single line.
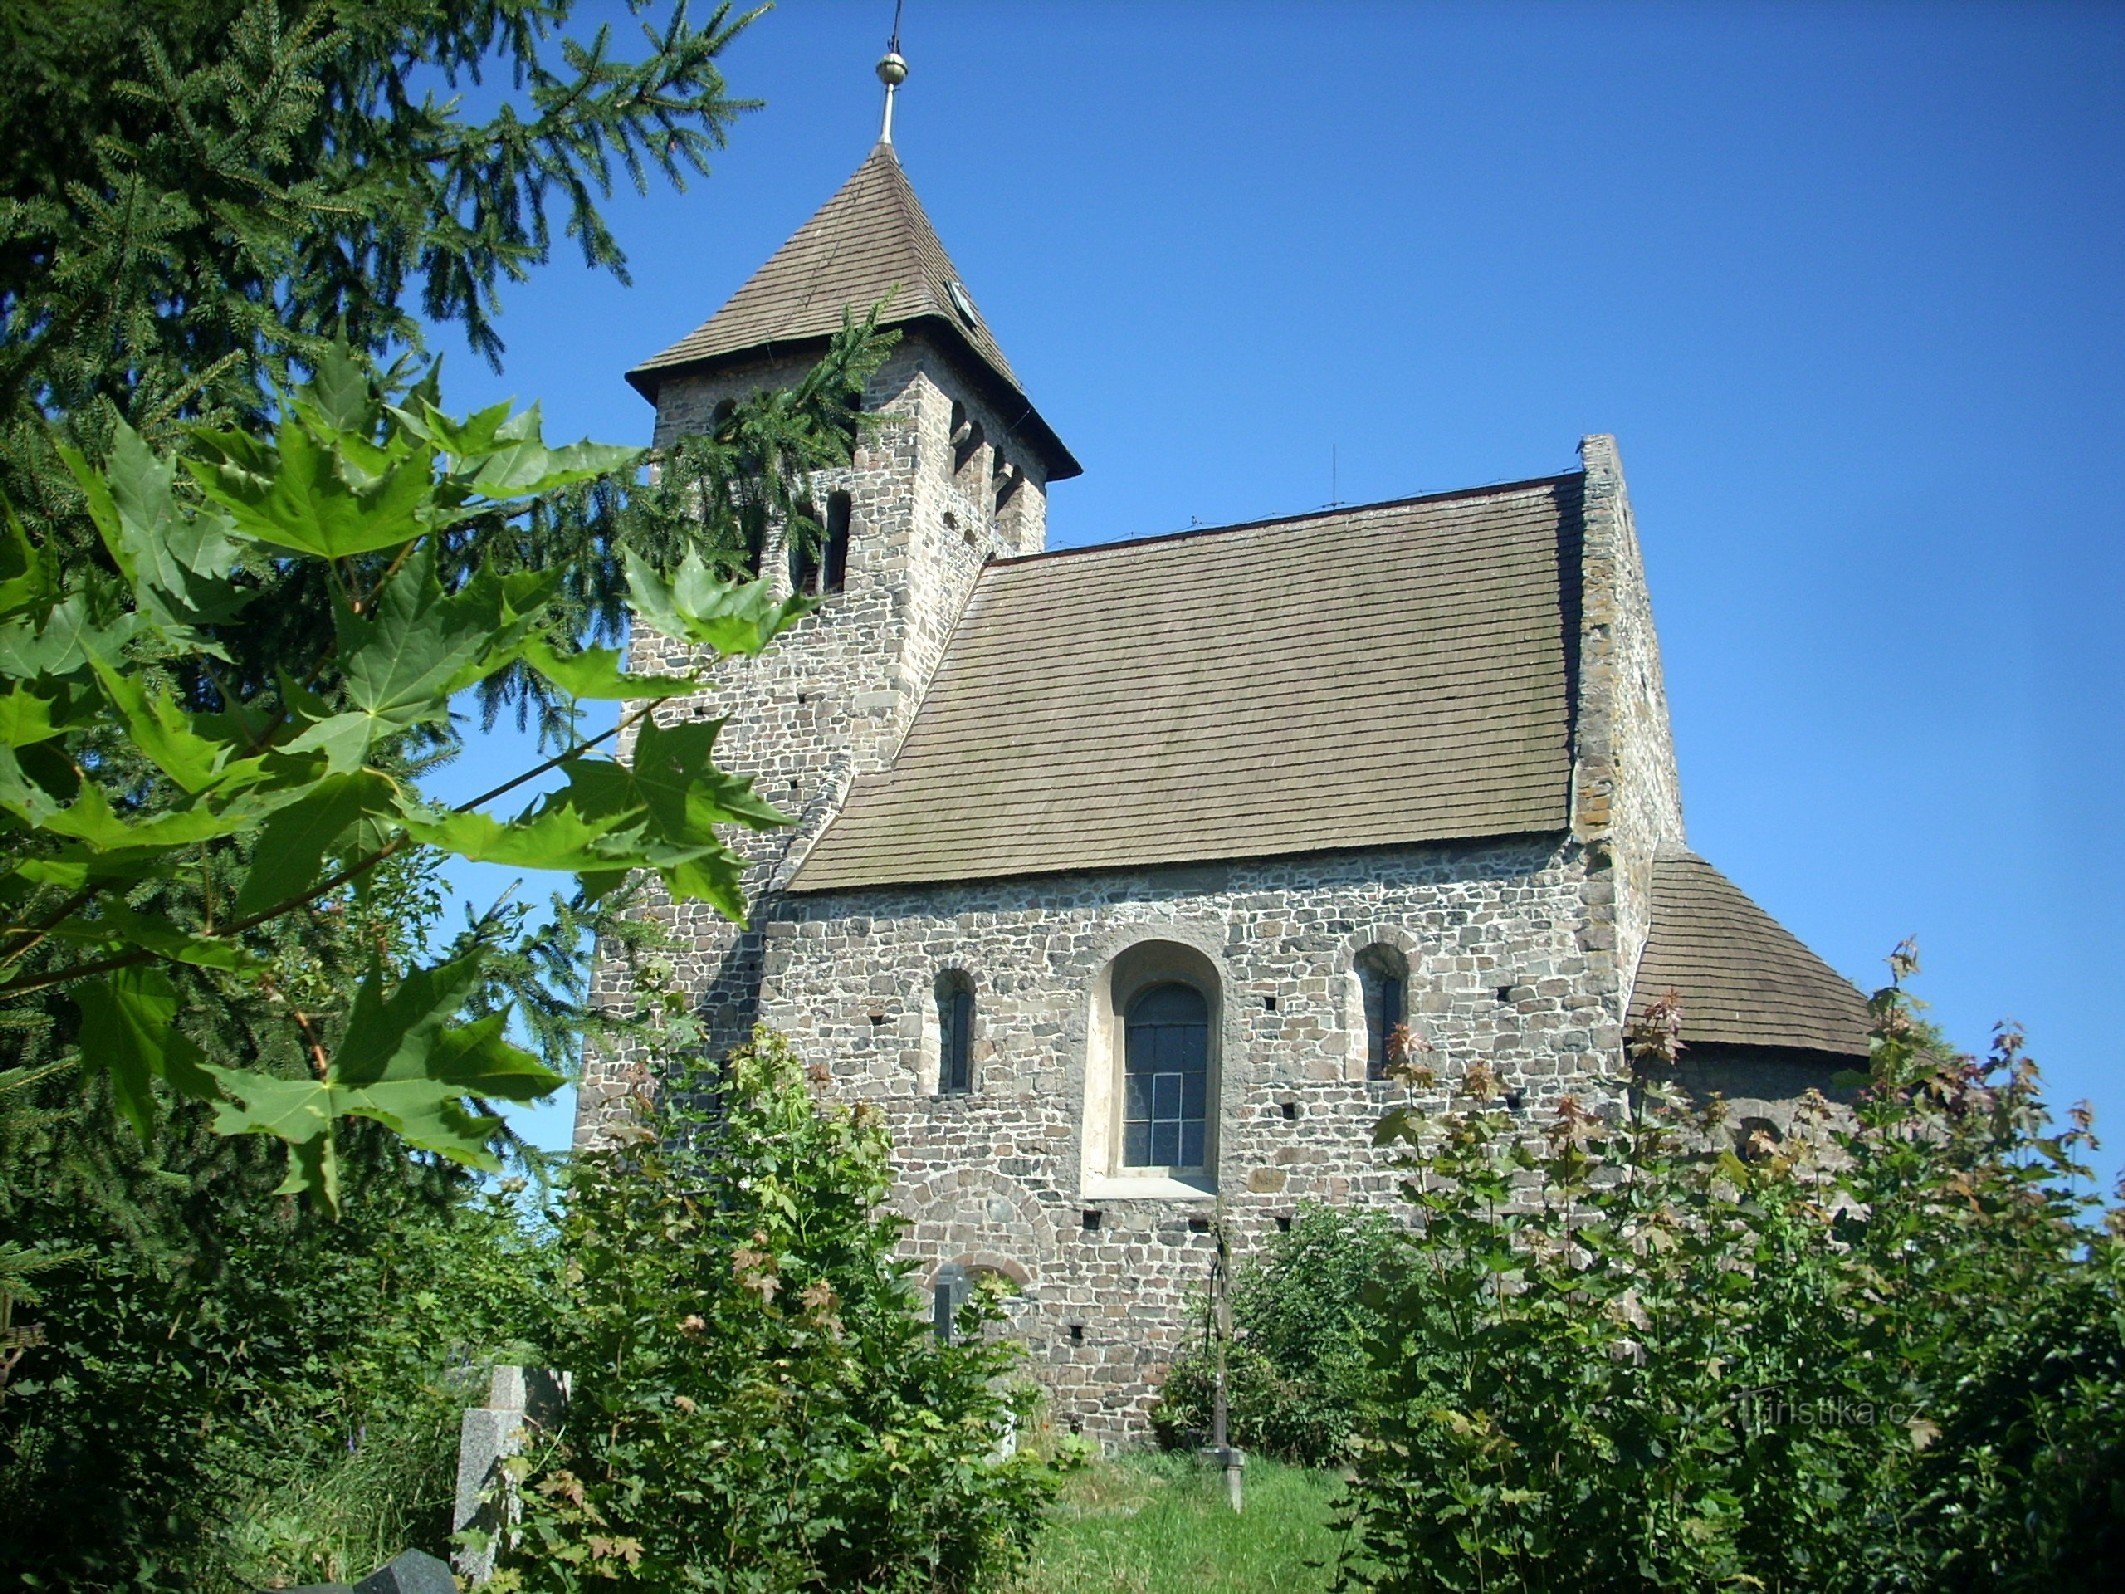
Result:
{"points": [[834, 697], [1497, 939], [1627, 795]]}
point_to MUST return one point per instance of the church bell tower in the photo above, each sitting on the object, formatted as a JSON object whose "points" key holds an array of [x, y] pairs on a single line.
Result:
{"points": [[952, 471]]}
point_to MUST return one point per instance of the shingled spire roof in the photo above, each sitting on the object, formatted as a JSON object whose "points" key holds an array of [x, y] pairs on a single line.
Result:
{"points": [[871, 242]]}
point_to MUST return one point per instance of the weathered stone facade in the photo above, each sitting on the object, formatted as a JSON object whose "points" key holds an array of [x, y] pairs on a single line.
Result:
{"points": [[1496, 939]]}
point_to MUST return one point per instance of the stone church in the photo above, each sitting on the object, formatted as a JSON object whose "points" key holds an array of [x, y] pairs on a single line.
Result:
{"points": [[1120, 872]]}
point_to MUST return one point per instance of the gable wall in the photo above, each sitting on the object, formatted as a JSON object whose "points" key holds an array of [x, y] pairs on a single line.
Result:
{"points": [[1627, 797], [998, 1176]]}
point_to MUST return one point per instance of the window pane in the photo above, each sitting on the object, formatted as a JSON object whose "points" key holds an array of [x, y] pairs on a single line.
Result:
{"points": [[1136, 1145], [1136, 1097], [1192, 1093], [1165, 1096], [1191, 1145], [1165, 1144], [1143, 1049], [1170, 1004]]}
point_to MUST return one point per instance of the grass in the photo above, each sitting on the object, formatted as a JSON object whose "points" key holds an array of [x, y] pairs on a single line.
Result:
{"points": [[1159, 1522]]}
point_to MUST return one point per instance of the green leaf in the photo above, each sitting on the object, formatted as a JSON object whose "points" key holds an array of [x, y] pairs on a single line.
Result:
{"points": [[90, 820], [599, 674], [22, 795], [343, 739], [673, 790], [163, 731], [419, 645], [129, 1030], [405, 1062], [554, 836], [29, 578], [699, 606], [176, 562], [308, 494], [26, 717], [61, 641], [338, 390], [116, 925], [288, 861]]}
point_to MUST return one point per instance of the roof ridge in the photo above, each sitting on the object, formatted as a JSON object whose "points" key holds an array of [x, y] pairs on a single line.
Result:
{"points": [[1336, 511]]}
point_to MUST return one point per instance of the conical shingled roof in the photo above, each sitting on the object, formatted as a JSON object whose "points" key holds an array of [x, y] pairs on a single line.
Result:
{"points": [[1744, 978], [871, 243]]}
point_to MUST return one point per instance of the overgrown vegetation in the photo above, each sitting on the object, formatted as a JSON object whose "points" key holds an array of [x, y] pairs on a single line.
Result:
{"points": [[1885, 1353], [758, 1403], [204, 199], [1299, 1372]]}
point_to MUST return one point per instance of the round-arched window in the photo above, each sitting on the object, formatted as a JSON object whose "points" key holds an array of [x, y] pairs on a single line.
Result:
{"points": [[1165, 1079]]}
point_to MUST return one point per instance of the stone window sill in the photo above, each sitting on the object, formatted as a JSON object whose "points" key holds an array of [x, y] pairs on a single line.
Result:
{"points": [[1154, 1187]]}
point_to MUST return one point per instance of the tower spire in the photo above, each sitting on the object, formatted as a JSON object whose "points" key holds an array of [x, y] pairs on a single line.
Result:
{"points": [[892, 72]]}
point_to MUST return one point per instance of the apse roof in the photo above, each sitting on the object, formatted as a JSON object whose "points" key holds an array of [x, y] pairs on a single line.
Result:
{"points": [[1741, 976], [871, 243]]}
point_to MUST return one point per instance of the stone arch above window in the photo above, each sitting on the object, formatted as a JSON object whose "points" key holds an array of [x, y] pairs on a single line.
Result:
{"points": [[1383, 994], [1155, 1053], [955, 1033]]}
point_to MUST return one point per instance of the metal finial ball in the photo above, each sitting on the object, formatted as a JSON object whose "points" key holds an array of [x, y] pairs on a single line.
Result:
{"points": [[892, 71]]}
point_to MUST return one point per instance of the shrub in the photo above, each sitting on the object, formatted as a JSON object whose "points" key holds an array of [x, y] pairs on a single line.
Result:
{"points": [[1883, 1355], [1299, 1374], [269, 1407], [757, 1403]]}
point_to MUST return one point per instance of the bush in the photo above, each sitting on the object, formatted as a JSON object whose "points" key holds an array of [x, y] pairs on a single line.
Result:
{"points": [[1884, 1355], [1300, 1372], [271, 1407], [757, 1402]]}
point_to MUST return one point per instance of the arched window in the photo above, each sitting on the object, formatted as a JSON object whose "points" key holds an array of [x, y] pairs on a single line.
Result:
{"points": [[1165, 1080], [724, 410], [955, 1035], [1383, 978]]}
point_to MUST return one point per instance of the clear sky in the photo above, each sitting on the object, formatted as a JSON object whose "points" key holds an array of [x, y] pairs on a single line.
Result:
{"points": [[1846, 281]]}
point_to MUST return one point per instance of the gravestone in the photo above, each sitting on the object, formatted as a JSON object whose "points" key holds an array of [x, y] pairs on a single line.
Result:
{"points": [[516, 1396], [410, 1572]]}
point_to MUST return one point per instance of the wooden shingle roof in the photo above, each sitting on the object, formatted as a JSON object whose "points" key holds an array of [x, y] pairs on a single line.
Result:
{"points": [[1744, 978], [871, 243], [1366, 677]]}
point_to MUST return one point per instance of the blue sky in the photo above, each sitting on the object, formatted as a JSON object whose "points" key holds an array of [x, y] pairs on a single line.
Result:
{"points": [[1846, 281]]}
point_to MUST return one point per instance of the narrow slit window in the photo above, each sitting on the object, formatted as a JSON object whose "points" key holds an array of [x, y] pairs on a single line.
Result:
{"points": [[968, 441], [955, 1027], [803, 564], [1383, 977], [834, 568]]}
